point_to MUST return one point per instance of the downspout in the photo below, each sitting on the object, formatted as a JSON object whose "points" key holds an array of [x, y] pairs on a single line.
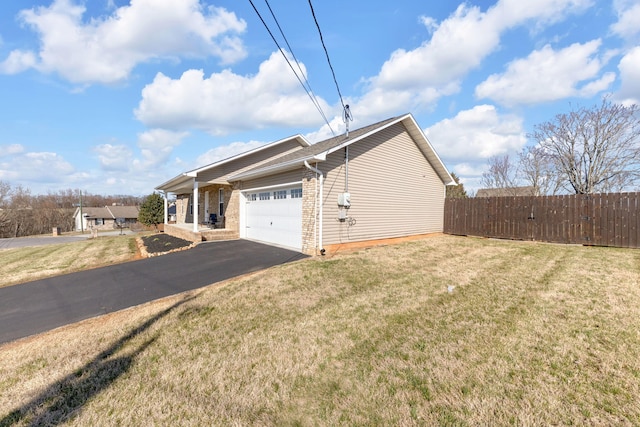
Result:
{"points": [[318, 172]]}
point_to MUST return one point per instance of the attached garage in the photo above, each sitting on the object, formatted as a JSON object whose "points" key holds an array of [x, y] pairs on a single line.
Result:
{"points": [[274, 216], [378, 182]]}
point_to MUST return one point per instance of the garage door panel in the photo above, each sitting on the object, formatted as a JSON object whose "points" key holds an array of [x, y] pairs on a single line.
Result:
{"points": [[272, 217]]}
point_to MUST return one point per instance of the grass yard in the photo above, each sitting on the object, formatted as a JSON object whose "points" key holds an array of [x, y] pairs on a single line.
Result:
{"points": [[31, 263], [530, 334]]}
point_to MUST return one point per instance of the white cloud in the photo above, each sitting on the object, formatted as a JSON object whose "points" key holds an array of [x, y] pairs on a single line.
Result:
{"points": [[628, 24], [435, 62], [540, 13], [35, 167], [547, 75], [478, 133], [419, 77], [338, 126], [106, 49], [114, 157], [430, 23], [226, 101], [118, 172], [225, 151], [629, 67], [11, 149], [156, 145], [17, 62]]}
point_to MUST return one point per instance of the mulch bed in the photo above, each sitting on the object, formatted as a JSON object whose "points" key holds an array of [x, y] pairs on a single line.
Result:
{"points": [[162, 242]]}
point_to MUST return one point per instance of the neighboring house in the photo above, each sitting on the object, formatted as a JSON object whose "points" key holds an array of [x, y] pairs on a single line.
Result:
{"points": [[106, 218], [381, 181], [506, 192]]}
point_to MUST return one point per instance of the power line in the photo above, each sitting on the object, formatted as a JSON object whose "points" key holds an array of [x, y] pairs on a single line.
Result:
{"points": [[327, 54], [273, 15], [312, 94], [307, 90]]}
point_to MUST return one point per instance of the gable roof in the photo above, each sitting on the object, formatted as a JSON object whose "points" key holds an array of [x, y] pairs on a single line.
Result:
{"points": [[318, 152], [112, 212], [184, 180], [92, 213], [124, 211]]}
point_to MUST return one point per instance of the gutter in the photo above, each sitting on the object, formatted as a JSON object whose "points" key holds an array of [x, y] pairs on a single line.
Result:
{"points": [[318, 172], [275, 168]]}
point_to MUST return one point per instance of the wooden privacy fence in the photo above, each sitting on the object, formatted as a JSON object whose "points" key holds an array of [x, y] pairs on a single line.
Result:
{"points": [[586, 219]]}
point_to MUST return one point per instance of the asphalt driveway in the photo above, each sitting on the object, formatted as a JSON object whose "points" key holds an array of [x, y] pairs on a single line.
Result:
{"points": [[46, 304]]}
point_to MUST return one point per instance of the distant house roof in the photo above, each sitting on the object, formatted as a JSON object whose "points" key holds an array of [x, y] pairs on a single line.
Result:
{"points": [[113, 212], [506, 192], [124, 211]]}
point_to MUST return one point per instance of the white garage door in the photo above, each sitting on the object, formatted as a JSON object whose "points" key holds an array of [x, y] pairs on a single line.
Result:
{"points": [[275, 216]]}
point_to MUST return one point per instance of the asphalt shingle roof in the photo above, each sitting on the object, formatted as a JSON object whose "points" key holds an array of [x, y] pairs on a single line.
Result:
{"points": [[322, 146]]}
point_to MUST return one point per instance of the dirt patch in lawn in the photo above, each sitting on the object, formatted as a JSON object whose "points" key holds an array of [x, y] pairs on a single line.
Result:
{"points": [[158, 244]]}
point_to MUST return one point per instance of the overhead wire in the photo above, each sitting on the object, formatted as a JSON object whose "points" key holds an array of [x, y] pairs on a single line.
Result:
{"points": [[335, 80], [307, 88]]}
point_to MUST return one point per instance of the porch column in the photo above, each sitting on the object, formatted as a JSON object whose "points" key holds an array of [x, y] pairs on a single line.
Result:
{"points": [[206, 206], [195, 206], [166, 208]]}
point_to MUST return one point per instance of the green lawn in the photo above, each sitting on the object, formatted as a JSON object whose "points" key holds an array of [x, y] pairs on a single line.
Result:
{"points": [[441, 331]]}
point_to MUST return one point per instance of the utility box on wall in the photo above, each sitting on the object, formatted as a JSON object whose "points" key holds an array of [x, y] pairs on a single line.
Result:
{"points": [[344, 200]]}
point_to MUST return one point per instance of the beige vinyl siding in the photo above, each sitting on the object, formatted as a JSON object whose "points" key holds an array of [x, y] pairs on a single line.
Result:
{"points": [[394, 190], [279, 179], [220, 173]]}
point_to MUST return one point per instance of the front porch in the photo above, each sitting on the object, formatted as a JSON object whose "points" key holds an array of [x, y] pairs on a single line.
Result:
{"points": [[205, 232]]}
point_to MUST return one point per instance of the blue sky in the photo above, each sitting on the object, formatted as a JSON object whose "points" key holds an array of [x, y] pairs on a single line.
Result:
{"points": [[116, 97]]}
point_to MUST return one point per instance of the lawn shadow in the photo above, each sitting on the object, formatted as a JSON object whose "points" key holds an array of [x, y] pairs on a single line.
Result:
{"points": [[62, 399]]}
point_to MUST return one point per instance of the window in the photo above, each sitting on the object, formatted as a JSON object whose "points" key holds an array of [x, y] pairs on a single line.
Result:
{"points": [[296, 193], [221, 202], [264, 196], [252, 197], [99, 221], [280, 194]]}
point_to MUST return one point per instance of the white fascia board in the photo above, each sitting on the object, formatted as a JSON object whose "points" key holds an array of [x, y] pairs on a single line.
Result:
{"points": [[430, 153], [176, 182], [179, 181], [301, 139], [280, 167]]}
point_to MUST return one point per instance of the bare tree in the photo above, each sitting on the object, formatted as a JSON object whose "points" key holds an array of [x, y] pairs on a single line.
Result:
{"points": [[537, 170], [24, 214], [502, 173], [5, 192], [5, 217], [593, 149], [21, 212]]}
